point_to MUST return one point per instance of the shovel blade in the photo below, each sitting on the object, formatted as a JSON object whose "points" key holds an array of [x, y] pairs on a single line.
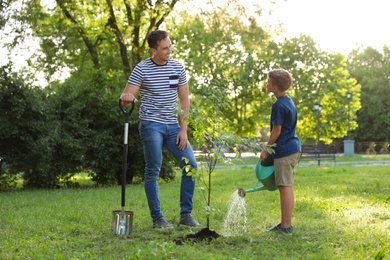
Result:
{"points": [[122, 222]]}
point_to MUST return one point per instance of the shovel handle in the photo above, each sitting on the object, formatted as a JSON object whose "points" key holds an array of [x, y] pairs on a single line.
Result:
{"points": [[126, 113], [125, 149]]}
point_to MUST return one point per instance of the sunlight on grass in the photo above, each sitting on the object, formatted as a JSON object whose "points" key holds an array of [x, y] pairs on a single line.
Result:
{"points": [[360, 213]]}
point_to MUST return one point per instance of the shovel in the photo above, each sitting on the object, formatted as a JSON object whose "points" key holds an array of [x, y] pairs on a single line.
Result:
{"points": [[122, 220]]}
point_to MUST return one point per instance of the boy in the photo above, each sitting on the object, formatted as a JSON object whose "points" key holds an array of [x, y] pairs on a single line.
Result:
{"points": [[283, 124]]}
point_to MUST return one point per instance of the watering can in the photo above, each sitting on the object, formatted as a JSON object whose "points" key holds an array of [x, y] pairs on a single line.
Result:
{"points": [[265, 174]]}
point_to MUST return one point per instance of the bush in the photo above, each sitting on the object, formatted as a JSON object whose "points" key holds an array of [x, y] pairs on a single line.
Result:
{"points": [[7, 180], [51, 134]]}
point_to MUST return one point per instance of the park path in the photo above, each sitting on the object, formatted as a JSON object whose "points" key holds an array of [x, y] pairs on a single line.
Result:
{"points": [[315, 163], [357, 163]]}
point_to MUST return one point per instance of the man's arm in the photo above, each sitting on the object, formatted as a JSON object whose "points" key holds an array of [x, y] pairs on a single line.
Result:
{"points": [[182, 138], [128, 94]]}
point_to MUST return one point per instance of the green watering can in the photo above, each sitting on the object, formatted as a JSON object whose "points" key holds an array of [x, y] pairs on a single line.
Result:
{"points": [[264, 175]]}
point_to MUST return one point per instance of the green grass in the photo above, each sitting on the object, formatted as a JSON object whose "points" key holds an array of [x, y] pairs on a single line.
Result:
{"points": [[341, 212]]}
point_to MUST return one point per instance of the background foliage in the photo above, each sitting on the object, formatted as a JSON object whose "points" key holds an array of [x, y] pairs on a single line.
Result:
{"points": [[74, 125], [371, 68]]}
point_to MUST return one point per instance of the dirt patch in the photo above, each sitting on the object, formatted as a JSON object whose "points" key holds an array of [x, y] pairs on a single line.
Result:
{"points": [[204, 234]]}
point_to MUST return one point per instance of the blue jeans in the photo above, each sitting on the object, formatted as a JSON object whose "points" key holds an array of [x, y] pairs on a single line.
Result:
{"points": [[154, 137]]}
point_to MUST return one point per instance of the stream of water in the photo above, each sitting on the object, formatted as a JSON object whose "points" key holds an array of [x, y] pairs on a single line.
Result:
{"points": [[235, 220]]}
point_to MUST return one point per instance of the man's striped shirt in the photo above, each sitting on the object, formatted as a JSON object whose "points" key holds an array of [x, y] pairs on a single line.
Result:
{"points": [[158, 86]]}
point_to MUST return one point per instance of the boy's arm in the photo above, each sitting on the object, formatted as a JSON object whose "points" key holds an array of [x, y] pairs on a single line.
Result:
{"points": [[276, 130]]}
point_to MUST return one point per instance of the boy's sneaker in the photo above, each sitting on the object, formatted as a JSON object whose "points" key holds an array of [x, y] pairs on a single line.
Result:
{"points": [[279, 227], [161, 223], [188, 221]]}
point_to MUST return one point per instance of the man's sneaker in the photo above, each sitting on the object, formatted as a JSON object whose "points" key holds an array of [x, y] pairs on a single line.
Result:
{"points": [[161, 223], [279, 227], [188, 221]]}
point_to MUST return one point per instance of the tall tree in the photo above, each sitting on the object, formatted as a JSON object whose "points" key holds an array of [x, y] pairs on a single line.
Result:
{"points": [[85, 36], [225, 63], [371, 68], [5, 6], [100, 41]]}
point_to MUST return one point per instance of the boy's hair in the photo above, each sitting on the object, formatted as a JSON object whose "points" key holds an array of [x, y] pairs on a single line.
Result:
{"points": [[281, 78], [155, 37]]}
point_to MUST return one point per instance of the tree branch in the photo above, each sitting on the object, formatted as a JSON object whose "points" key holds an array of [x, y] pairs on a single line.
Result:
{"points": [[90, 46], [119, 39]]}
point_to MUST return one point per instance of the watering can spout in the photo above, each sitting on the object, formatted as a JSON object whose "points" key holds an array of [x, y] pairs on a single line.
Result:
{"points": [[265, 175], [241, 192]]}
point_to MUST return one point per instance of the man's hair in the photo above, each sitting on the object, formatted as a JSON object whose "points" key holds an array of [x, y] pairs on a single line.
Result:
{"points": [[155, 37], [281, 78]]}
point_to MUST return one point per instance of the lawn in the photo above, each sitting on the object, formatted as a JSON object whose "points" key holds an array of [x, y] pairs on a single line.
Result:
{"points": [[341, 212]]}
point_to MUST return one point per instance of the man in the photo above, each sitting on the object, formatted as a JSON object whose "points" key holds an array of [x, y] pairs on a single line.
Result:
{"points": [[161, 81]]}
